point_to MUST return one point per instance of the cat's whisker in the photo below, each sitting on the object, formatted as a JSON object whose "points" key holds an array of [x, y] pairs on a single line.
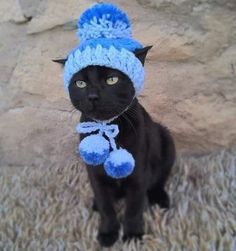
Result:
{"points": [[131, 113], [132, 108], [130, 122]]}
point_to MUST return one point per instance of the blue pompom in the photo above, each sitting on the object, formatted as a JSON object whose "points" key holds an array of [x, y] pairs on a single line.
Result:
{"points": [[119, 164], [103, 20], [94, 149]]}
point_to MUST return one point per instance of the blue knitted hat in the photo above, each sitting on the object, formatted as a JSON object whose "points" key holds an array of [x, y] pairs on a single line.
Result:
{"points": [[106, 39]]}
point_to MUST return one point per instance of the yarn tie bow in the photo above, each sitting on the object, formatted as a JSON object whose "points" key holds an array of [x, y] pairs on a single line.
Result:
{"points": [[95, 149], [110, 131]]}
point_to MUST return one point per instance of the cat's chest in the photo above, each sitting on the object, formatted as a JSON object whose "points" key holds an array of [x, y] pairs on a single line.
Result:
{"points": [[128, 140]]}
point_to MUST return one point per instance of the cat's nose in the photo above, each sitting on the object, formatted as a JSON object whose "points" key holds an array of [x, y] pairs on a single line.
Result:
{"points": [[93, 96]]}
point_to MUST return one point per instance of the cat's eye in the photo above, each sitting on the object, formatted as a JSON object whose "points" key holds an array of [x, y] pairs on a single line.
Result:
{"points": [[112, 80], [80, 83]]}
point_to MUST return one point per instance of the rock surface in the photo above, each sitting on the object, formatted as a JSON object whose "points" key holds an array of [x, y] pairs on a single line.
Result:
{"points": [[29, 8], [10, 11], [190, 74]]}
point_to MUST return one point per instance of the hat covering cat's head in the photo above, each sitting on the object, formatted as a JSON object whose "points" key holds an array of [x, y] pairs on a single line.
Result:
{"points": [[105, 36]]}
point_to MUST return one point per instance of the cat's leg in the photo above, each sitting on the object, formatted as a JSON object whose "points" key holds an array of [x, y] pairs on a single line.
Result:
{"points": [[156, 192], [109, 226], [119, 193], [158, 195], [161, 166], [133, 220]]}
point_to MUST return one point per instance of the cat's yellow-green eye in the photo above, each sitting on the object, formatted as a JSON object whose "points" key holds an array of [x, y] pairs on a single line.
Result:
{"points": [[112, 80], [80, 83]]}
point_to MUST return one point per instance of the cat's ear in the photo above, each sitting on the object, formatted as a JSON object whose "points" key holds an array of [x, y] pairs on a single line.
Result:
{"points": [[142, 53], [61, 61]]}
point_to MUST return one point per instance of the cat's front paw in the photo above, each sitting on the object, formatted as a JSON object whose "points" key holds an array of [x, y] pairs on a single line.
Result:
{"points": [[107, 239], [133, 228], [134, 236]]}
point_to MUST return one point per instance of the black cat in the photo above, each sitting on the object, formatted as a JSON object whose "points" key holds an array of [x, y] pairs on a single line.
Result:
{"points": [[102, 93]]}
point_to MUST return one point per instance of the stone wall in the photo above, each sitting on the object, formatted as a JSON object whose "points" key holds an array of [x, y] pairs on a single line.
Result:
{"points": [[190, 74]]}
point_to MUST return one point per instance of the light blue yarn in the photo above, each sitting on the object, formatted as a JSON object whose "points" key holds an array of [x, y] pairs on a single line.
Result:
{"points": [[95, 149], [103, 20], [123, 60], [119, 164], [106, 40], [110, 131]]}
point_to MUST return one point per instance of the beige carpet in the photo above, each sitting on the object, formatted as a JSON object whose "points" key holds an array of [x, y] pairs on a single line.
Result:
{"points": [[46, 208]]}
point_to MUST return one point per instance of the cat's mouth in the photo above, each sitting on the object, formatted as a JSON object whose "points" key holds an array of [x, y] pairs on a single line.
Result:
{"points": [[103, 114]]}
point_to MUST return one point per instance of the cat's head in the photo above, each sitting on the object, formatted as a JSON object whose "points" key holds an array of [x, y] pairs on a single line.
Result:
{"points": [[105, 71], [100, 92]]}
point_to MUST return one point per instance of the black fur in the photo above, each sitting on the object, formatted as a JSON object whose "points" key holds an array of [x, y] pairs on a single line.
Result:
{"points": [[150, 143], [154, 153]]}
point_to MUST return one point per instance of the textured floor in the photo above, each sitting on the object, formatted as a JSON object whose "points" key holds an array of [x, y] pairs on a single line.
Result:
{"points": [[46, 208]]}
